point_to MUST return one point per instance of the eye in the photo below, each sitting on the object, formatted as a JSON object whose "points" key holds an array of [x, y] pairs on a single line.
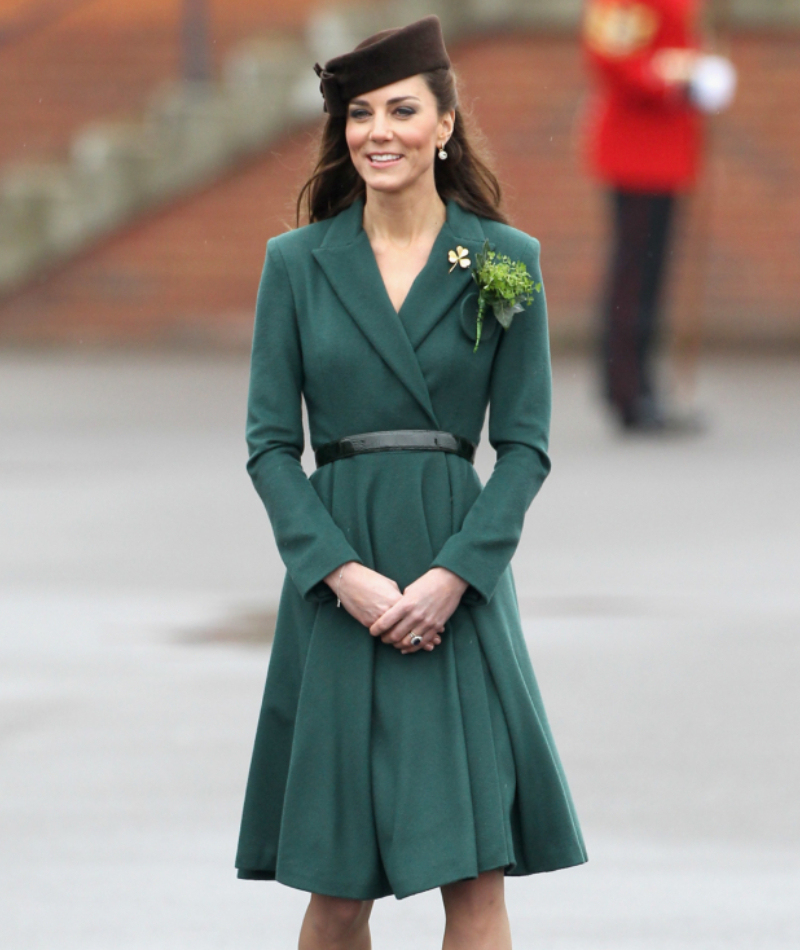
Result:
{"points": [[405, 111], [358, 113]]}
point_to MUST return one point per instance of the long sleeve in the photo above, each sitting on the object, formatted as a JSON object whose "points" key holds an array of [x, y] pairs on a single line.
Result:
{"points": [[622, 41], [634, 78], [308, 539], [519, 422]]}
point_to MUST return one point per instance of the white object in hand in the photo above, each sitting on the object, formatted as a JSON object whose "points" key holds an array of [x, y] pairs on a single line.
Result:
{"points": [[713, 83]]}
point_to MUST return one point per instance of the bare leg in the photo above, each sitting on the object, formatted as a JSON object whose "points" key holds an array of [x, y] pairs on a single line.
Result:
{"points": [[476, 914], [335, 923]]}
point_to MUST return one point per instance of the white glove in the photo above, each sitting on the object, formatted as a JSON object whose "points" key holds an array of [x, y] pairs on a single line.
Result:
{"points": [[712, 85]]}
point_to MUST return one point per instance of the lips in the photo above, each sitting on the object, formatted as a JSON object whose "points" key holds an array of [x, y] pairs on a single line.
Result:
{"points": [[383, 158]]}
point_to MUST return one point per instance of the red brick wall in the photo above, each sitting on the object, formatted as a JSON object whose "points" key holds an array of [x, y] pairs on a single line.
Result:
{"points": [[103, 58], [190, 272], [187, 274]]}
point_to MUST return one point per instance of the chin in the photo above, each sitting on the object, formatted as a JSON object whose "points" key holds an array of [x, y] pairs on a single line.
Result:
{"points": [[388, 184], [387, 187]]}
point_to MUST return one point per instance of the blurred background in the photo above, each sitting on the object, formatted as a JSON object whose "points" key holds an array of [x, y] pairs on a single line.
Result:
{"points": [[147, 153]]}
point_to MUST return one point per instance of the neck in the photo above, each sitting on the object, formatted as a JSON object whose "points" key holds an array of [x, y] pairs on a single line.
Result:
{"points": [[402, 218]]}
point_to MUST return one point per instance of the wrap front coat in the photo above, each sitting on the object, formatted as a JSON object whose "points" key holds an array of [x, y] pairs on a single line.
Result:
{"points": [[373, 772]]}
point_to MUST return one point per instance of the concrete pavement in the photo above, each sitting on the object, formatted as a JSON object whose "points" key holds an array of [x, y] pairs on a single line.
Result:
{"points": [[660, 591]]}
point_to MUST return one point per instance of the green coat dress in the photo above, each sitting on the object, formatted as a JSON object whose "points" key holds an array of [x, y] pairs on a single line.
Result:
{"points": [[373, 772]]}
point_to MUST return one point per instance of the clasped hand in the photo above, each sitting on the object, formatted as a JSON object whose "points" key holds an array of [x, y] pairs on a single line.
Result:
{"points": [[396, 616]]}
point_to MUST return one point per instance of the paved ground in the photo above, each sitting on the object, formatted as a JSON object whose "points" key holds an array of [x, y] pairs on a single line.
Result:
{"points": [[660, 587]]}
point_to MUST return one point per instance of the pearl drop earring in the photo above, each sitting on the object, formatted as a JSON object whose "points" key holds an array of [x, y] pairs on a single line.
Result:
{"points": [[442, 153]]}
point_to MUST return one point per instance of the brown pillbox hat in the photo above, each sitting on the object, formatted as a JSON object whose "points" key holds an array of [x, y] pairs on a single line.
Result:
{"points": [[382, 59]]}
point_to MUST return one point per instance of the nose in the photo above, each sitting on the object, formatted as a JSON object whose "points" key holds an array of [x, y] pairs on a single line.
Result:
{"points": [[380, 131]]}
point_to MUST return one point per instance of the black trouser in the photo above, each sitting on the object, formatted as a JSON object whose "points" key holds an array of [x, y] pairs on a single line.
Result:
{"points": [[631, 305]]}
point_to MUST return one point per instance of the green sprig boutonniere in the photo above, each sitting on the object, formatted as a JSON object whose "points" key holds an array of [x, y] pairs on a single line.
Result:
{"points": [[503, 284]]}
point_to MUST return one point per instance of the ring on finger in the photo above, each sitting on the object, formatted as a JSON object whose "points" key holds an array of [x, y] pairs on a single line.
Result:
{"points": [[415, 640]]}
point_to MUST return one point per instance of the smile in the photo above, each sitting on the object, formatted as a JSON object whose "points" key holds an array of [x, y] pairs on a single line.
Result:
{"points": [[384, 158]]}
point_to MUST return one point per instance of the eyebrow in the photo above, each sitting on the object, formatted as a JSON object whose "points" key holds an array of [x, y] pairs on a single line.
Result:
{"points": [[390, 102]]}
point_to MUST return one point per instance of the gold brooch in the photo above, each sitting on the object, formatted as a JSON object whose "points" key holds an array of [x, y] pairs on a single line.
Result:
{"points": [[459, 257]]}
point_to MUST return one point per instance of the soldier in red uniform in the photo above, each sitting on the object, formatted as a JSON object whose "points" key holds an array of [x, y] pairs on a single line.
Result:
{"points": [[644, 142]]}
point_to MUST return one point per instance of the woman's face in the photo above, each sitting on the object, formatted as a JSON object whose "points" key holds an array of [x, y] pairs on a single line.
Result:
{"points": [[393, 134]]}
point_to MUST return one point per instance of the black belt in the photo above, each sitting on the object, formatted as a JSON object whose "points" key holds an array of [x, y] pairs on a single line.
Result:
{"points": [[396, 440]]}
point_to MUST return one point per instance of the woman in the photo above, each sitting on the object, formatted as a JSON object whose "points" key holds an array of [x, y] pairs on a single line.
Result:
{"points": [[402, 743]]}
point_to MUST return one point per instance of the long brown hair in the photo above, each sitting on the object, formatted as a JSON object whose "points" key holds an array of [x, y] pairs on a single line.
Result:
{"points": [[464, 177]]}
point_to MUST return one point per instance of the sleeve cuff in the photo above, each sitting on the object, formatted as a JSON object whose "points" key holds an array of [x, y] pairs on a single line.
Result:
{"points": [[481, 587], [310, 579]]}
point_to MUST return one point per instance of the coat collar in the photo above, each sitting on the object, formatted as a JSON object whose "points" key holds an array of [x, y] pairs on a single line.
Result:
{"points": [[347, 260]]}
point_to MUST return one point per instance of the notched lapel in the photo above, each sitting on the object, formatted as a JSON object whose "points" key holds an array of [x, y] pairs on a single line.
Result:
{"points": [[347, 260], [437, 288]]}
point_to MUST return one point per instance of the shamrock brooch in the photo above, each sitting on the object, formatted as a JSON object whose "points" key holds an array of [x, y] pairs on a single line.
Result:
{"points": [[459, 258]]}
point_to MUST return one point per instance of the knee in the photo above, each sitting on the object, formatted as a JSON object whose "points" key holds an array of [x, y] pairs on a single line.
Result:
{"points": [[475, 906], [336, 919]]}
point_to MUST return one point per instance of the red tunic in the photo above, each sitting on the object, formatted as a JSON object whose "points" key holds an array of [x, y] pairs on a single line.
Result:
{"points": [[643, 135]]}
